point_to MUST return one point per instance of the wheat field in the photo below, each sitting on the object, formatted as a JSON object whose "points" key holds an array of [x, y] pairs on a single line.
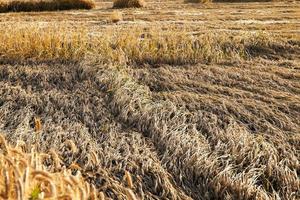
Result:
{"points": [[169, 100]]}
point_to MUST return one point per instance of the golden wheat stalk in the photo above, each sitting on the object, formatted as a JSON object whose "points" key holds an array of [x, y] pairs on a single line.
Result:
{"points": [[28, 180], [128, 179], [37, 124]]}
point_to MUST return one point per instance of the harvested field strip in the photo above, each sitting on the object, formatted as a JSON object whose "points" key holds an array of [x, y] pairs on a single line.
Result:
{"points": [[261, 110], [274, 17], [58, 95], [232, 88], [156, 46], [260, 119], [220, 82], [44, 5], [284, 79], [259, 113]]}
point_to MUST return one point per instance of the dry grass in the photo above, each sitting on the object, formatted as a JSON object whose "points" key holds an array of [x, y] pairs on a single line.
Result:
{"points": [[129, 3], [44, 5], [155, 46]]}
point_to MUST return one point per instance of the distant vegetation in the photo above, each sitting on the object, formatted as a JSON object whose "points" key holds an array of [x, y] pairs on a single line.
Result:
{"points": [[129, 3], [44, 5]]}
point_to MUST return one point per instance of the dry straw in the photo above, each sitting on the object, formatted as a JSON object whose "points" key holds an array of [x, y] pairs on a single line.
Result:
{"points": [[231, 159]]}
